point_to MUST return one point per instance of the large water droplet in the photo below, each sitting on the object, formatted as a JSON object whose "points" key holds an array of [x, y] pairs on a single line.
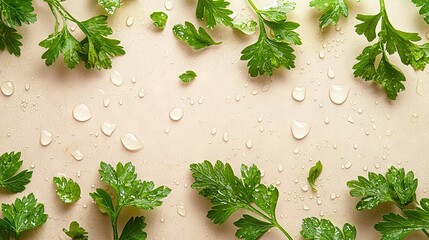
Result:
{"points": [[176, 113], [116, 78], [130, 21], [108, 128], [82, 113], [298, 93], [78, 155], [300, 129], [7, 88], [45, 138], [339, 93], [131, 142]]}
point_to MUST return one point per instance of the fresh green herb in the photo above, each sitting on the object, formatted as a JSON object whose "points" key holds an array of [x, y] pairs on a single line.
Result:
{"points": [[213, 12], [332, 9], [390, 40], [14, 13], [10, 163], [313, 174], [129, 191], [315, 229], [188, 76], [76, 232], [396, 187], [268, 52], [195, 38], [110, 5], [246, 26], [95, 50], [424, 10], [159, 19], [67, 191], [25, 214], [228, 193]]}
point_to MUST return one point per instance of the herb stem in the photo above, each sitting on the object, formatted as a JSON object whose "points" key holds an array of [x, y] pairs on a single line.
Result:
{"points": [[252, 4], [426, 232], [271, 220], [275, 223], [115, 229]]}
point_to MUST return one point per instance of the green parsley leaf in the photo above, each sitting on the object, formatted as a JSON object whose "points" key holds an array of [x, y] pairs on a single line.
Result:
{"points": [[76, 232], [313, 174], [424, 10], [10, 163], [396, 187], [246, 26], [188, 76], [332, 9], [129, 191], [96, 50], [277, 10], [315, 229], [159, 19], [195, 38], [391, 40], [228, 193], [10, 40], [395, 226], [67, 191], [23, 215], [213, 12], [4, 234], [133, 230], [110, 5]]}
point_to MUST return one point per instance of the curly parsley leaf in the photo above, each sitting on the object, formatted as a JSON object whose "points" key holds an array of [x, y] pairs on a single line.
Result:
{"points": [[313, 174], [396, 187], [96, 50], [229, 193], [159, 19], [395, 226], [110, 5], [391, 40], [424, 8], [10, 163], [67, 190], [315, 229], [196, 39], [76, 232], [129, 191], [332, 10], [10, 39], [133, 230], [188, 76], [213, 12], [23, 215]]}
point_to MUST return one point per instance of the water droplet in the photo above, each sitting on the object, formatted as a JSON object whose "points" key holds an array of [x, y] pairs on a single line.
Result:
{"points": [[338, 27], [130, 21], [300, 129], [333, 196], [249, 144], [116, 78], [141, 93], [351, 119], [319, 201], [299, 93], [108, 128], [176, 113], [7, 88], [280, 168], [304, 188], [255, 92], [214, 131], [78, 155], [225, 137], [181, 210], [348, 164], [326, 120], [169, 5], [27, 87], [331, 73], [131, 142], [265, 88], [82, 113], [339, 93], [306, 208], [376, 165], [45, 138], [322, 54], [106, 102], [355, 146]]}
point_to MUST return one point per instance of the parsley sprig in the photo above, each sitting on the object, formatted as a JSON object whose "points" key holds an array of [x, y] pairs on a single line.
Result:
{"points": [[10, 163], [95, 50], [390, 41], [128, 191], [269, 53]]}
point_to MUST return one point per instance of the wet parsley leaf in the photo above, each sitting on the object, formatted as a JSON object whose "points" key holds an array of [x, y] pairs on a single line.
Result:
{"points": [[213, 12], [110, 5], [196, 39], [246, 26], [313, 174], [76, 232], [159, 19], [10, 163], [67, 190], [332, 10], [315, 229], [188, 76], [424, 8]]}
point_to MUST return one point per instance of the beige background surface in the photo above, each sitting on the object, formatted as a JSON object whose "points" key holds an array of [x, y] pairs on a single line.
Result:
{"points": [[398, 131]]}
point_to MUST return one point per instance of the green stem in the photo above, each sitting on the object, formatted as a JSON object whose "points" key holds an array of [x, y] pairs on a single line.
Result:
{"points": [[426, 233], [283, 230], [17, 236], [271, 220], [115, 228], [252, 4]]}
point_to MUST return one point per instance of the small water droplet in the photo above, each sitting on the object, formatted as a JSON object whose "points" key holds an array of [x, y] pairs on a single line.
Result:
{"points": [[167, 130], [176, 113], [304, 188], [116, 78], [255, 92], [306, 208], [348, 164], [214, 131], [130, 21], [350, 119], [319, 201], [27, 87], [265, 88], [106, 102], [108, 128], [331, 73], [322, 54], [326, 120], [141, 93], [333, 196], [131, 142], [249, 144], [7, 88], [299, 93], [181, 210], [169, 5], [300, 129], [338, 27], [355, 146], [376, 165], [280, 168], [339, 93], [225, 137], [82, 113], [45, 137], [78, 155]]}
